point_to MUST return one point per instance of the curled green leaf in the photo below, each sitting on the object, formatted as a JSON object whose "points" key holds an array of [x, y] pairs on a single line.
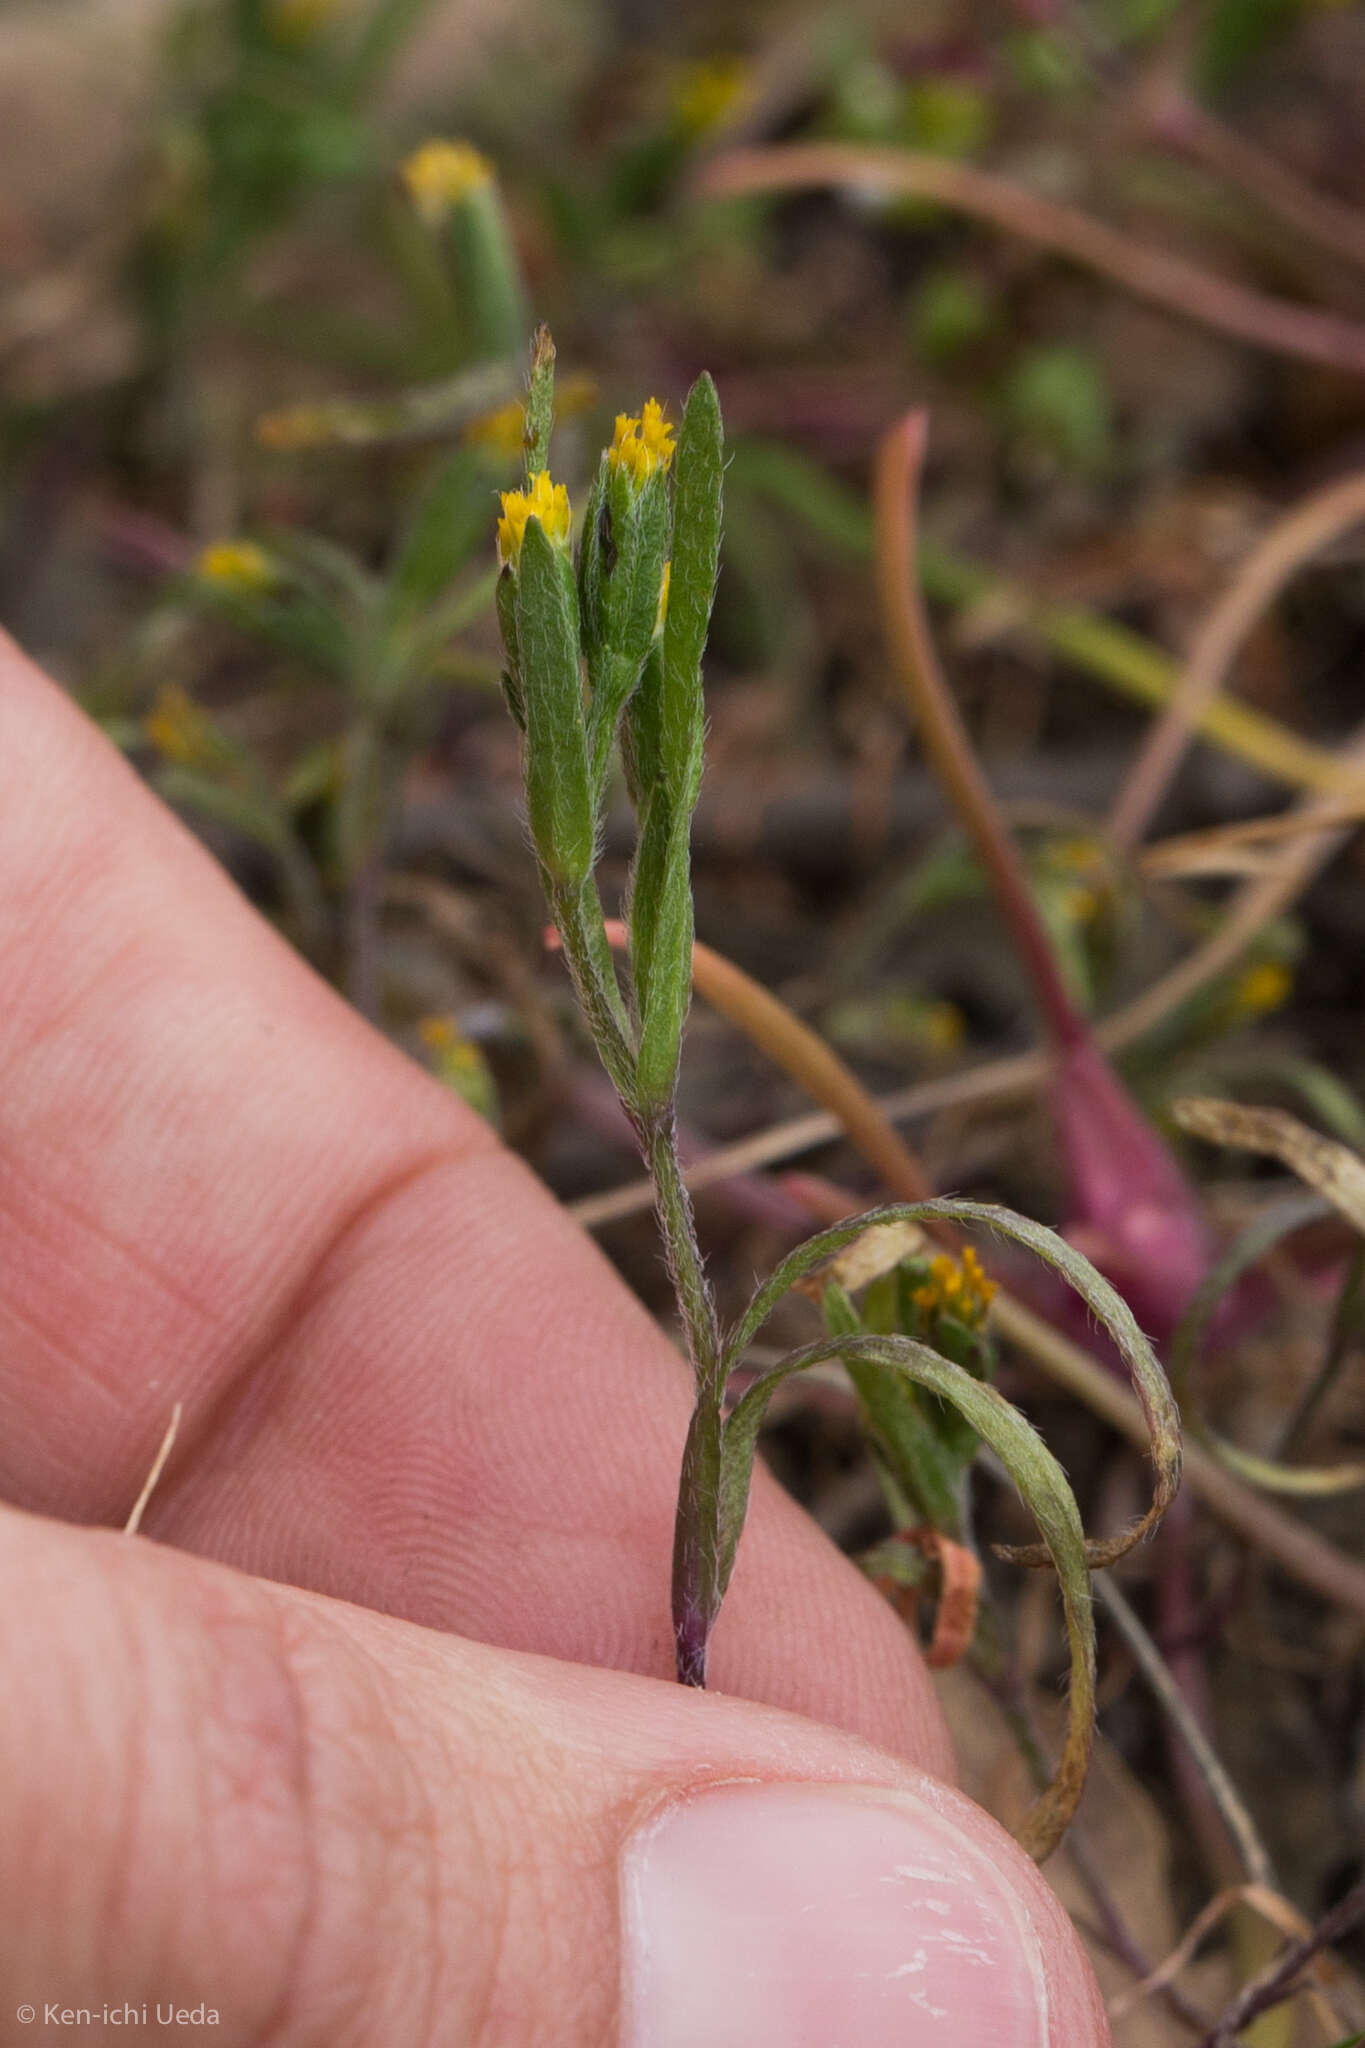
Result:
{"points": [[1042, 1485], [1108, 1307]]}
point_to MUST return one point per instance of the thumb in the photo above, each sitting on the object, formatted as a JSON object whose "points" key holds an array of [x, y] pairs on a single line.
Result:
{"points": [[292, 1820]]}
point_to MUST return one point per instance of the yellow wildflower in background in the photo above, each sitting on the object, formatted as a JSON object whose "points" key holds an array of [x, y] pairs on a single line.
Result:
{"points": [[236, 565], [640, 446], [298, 21], [944, 1027], [1261, 988], [179, 730], [708, 92], [957, 1288], [441, 174], [459, 1063], [546, 501], [502, 432]]}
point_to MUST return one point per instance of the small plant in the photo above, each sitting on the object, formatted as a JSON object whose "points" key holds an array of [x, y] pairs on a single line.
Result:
{"points": [[605, 651]]}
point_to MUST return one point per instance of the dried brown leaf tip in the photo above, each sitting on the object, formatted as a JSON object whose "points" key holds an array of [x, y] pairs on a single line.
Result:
{"points": [[878, 1250], [1333, 1169]]}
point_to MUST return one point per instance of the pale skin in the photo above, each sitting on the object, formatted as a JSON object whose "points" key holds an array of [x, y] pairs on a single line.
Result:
{"points": [[348, 1741]]}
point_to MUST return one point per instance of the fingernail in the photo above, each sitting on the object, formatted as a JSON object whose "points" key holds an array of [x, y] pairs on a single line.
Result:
{"points": [[798, 1916]]}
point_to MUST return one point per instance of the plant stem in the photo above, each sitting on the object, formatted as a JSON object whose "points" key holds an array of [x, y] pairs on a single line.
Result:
{"points": [[899, 461], [578, 920], [697, 1592], [1232, 1811], [673, 1205], [1278, 325], [1291, 541]]}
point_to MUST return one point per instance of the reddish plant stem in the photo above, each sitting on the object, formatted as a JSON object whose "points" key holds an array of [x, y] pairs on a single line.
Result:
{"points": [[900, 460], [1183, 287]]}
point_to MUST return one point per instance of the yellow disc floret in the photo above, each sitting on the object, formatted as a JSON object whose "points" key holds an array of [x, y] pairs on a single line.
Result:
{"points": [[546, 501], [640, 446], [441, 174], [236, 565], [958, 1288]]}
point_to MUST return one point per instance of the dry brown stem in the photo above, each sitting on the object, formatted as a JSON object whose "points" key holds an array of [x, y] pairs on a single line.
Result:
{"points": [[1291, 541], [1182, 287]]}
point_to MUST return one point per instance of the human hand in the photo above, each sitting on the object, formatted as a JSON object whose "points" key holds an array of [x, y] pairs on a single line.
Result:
{"points": [[421, 1779]]}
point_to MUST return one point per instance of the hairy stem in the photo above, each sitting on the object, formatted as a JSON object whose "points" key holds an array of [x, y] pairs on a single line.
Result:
{"points": [[673, 1206]]}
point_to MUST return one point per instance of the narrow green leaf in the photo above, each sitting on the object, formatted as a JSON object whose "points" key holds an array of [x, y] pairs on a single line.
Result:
{"points": [[450, 522], [252, 813], [698, 471], [625, 545], [490, 296], [661, 955], [1149, 1381], [1042, 1485], [415, 414], [555, 754]]}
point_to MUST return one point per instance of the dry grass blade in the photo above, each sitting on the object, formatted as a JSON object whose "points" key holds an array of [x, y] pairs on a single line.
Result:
{"points": [[134, 1521], [1231, 1808], [1293, 540], [1240, 848], [1333, 1169], [1272, 1906], [1178, 119], [1252, 909], [1279, 1981], [1274, 324]]}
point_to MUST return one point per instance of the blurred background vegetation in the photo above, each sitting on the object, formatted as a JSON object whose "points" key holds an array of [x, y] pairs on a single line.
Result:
{"points": [[268, 269]]}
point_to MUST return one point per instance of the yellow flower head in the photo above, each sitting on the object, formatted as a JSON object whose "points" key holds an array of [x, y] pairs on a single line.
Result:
{"points": [[708, 92], [640, 446], [179, 730], [548, 502], [1261, 988], [502, 432], [956, 1288], [298, 21], [441, 174], [458, 1062], [236, 565], [944, 1027], [664, 582]]}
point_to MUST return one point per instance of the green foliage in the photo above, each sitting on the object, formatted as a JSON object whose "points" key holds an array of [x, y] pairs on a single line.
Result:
{"points": [[950, 311], [270, 102], [909, 1367], [1057, 410], [632, 624], [558, 794], [579, 664]]}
